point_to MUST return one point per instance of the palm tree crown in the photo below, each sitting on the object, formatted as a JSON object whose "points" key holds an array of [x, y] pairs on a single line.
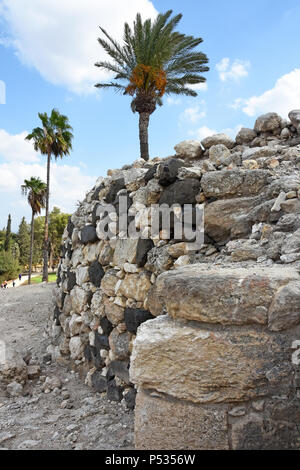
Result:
{"points": [[36, 190], [55, 137], [154, 60]]}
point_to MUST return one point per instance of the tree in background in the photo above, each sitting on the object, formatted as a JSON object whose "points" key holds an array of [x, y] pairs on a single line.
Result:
{"points": [[54, 138], [8, 236], [154, 60], [23, 238], [57, 223], [36, 190], [9, 266]]}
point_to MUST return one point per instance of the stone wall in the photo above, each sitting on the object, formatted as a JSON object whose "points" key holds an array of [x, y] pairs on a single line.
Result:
{"points": [[217, 371], [250, 190]]}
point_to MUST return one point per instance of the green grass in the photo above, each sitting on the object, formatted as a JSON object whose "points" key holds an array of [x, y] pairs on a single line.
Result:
{"points": [[38, 279]]}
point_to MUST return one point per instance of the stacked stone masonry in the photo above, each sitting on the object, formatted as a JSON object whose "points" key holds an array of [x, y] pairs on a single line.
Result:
{"points": [[219, 353]]}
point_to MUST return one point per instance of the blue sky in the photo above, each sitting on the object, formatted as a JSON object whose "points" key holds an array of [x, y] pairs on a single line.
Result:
{"points": [[47, 51]]}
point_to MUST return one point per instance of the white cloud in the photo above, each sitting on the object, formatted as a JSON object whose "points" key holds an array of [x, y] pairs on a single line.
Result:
{"points": [[234, 71], [16, 148], [59, 38], [194, 113], [203, 132], [173, 101], [282, 98], [199, 86]]}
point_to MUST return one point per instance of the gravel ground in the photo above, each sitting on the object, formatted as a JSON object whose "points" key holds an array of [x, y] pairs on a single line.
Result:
{"points": [[70, 417]]}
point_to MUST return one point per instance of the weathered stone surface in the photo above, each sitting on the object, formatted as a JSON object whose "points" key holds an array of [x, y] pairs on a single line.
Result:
{"points": [[114, 187], [14, 389], [218, 139], [130, 398], [125, 251], [229, 217], [218, 154], [99, 382], [181, 192], [79, 298], [167, 171], [114, 391], [243, 250], [135, 286], [291, 243], [258, 152], [233, 182], [165, 423], [295, 117], [114, 313], [12, 366], [96, 273], [189, 149], [88, 234], [267, 122], [245, 136], [109, 282], [158, 260], [204, 365], [76, 347], [106, 326], [119, 369], [143, 247], [185, 292], [120, 344], [101, 341], [284, 311], [71, 282], [134, 317], [82, 275]]}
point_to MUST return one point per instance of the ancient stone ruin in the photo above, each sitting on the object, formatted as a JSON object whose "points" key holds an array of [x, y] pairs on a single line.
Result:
{"points": [[206, 337]]}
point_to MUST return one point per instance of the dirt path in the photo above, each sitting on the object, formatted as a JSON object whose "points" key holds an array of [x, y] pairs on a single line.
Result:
{"points": [[73, 416]]}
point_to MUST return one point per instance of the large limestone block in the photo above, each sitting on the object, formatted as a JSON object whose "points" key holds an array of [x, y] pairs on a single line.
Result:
{"points": [[189, 149], [285, 309], [135, 286], [12, 365], [234, 182], [163, 423], [226, 295], [217, 139], [206, 365], [79, 299], [228, 218], [267, 122]]}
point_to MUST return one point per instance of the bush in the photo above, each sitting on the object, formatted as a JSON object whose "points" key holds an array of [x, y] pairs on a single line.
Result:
{"points": [[9, 266]]}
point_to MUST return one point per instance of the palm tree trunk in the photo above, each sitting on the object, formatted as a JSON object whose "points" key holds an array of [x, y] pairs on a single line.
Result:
{"points": [[143, 133], [46, 232], [31, 247]]}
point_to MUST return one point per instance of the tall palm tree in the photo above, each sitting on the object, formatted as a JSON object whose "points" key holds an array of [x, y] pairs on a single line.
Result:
{"points": [[54, 138], [153, 60], [36, 190]]}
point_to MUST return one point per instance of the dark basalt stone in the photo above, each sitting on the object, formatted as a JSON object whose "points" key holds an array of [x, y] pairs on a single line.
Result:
{"points": [[96, 273], [150, 173], [168, 171], [58, 279], [91, 354], [101, 341], [95, 196], [56, 316], [106, 326], [88, 234], [63, 251], [181, 192], [114, 188], [99, 382], [70, 227], [130, 399], [119, 369], [134, 317], [71, 280], [114, 391], [143, 246]]}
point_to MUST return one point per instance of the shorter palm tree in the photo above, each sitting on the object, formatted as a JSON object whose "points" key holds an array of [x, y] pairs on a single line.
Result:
{"points": [[36, 190]]}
